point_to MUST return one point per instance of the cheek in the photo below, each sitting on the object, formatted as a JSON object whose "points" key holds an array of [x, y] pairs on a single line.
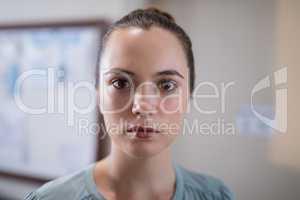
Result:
{"points": [[115, 102], [115, 111], [114, 125], [169, 105], [173, 105], [172, 112]]}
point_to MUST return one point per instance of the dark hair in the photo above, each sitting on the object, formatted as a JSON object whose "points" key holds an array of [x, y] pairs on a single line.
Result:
{"points": [[145, 19]]}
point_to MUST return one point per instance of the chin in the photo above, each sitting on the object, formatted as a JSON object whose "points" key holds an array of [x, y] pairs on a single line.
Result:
{"points": [[143, 151]]}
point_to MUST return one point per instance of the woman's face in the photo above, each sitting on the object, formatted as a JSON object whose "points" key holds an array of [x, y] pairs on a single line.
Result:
{"points": [[143, 86]]}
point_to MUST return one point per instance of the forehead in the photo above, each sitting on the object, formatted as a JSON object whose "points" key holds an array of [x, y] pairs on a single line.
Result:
{"points": [[147, 50]]}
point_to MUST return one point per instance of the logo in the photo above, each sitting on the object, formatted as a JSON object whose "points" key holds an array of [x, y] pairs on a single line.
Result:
{"points": [[279, 123]]}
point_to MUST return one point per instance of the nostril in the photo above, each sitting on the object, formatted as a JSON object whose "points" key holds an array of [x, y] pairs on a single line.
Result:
{"points": [[143, 109], [144, 104]]}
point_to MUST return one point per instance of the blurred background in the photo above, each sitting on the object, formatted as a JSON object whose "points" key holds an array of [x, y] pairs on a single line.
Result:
{"points": [[246, 49]]}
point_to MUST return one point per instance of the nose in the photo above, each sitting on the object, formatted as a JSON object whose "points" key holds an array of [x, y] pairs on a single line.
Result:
{"points": [[142, 108], [144, 102]]}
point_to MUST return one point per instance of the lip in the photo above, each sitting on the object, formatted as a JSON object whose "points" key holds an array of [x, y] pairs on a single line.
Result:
{"points": [[142, 129], [142, 132]]}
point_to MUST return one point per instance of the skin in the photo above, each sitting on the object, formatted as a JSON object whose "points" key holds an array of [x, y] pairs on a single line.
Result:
{"points": [[144, 81]]}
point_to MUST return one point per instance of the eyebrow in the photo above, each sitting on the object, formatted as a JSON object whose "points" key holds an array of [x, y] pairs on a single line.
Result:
{"points": [[160, 73]]}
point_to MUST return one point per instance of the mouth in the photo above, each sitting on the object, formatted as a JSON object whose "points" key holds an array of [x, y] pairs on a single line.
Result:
{"points": [[141, 132]]}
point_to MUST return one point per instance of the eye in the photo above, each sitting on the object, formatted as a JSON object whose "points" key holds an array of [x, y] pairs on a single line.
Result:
{"points": [[167, 85], [120, 84]]}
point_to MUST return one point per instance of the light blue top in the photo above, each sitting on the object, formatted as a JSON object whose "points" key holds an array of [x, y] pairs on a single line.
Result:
{"points": [[81, 186]]}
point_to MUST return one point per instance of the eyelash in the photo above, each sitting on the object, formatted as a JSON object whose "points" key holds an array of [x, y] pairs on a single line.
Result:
{"points": [[166, 81], [118, 81], [159, 83]]}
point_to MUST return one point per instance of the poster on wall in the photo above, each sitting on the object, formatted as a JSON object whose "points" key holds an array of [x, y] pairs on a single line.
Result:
{"points": [[42, 70]]}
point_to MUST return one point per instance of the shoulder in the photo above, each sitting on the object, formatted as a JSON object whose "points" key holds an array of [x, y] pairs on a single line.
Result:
{"points": [[66, 187], [204, 186]]}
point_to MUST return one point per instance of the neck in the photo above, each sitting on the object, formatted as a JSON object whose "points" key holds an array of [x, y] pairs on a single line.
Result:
{"points": [[146, 176]]}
